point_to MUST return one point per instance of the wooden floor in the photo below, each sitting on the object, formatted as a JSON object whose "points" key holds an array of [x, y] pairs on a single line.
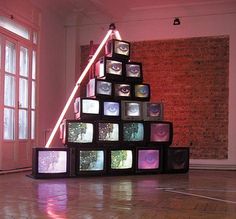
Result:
{"points": [[197, 194]]}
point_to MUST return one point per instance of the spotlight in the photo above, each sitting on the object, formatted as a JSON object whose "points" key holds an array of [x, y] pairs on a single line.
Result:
{"points": [[176, 21], [112, 26]]}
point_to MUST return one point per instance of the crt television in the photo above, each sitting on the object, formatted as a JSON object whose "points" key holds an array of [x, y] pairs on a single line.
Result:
{"points": [[160, 132], [111, 109], [133, 131], [153, 111], [109, 69], [142, 92], [98, 88], [149, 159], [119, 49], [122, 91], [50, 162], [91, 161], [121, 160], [176, 159], [79, 132], [131, 110], [133, 72], [86, 108]]}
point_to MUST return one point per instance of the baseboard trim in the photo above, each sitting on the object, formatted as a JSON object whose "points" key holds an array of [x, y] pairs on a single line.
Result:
{"points": [[2, 172], [213, 166]]}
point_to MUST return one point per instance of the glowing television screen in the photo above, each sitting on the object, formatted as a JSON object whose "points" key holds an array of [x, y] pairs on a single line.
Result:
{"points": [[160, 132], [118, 49], [149, 159], [133, 131], [99, 88], [79, 132], [121, 160], [111, 109], [133, 72], [91, 160], [50, 162], [131, 110], [108, 131], [85, 108], [109, 69], [122, 91], [153, 111], [142, 92]]}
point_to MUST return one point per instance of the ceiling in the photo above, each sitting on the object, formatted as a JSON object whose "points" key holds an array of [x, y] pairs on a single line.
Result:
{"points": [[95, 11]]}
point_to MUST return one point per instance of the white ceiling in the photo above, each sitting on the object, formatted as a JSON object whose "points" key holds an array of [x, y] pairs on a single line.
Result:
{"points": [[102, 11]]}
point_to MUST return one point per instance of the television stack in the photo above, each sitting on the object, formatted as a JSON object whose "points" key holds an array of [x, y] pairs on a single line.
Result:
{"points": [[117, 129]]}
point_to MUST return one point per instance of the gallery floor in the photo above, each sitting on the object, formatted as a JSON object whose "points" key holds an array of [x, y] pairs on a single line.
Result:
{"points": [[197, 194]]}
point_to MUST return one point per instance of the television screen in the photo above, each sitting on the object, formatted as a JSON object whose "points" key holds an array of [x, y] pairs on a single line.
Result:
{"points": [[111, 109], [80, 132], [50, 162], [142, 92], [122, 91], [118, 49], [152, 111], [110, 69], [121, 159], [91, 160], [176, 159], [131, 110], [133, 72], [99, 88], [149, 159], [133, 131], [86, 108], [108, 131]]}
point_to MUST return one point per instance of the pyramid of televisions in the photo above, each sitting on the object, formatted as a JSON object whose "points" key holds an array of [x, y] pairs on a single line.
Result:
{"points": [[117, 129]]}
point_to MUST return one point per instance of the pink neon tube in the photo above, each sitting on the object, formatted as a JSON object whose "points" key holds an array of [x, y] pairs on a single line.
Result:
{"points": [[76, 88]]}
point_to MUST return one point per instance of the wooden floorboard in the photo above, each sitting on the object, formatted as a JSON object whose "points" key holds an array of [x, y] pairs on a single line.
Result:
{"points": [[198, 194]]}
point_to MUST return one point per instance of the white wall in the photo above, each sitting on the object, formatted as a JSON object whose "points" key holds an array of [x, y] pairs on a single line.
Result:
{"points": [[196, 20]]}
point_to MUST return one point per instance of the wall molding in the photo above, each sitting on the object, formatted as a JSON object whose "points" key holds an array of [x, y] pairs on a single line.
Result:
{"points": [[212, 166]]}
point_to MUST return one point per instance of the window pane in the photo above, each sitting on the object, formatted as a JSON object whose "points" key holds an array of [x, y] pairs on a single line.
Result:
{"points": [[23, 93], [33, 95], [34, 65], [9, 116], [32, 124], [9, 91], [10, 58], [24, 62], [14, 27], [23, 124]]}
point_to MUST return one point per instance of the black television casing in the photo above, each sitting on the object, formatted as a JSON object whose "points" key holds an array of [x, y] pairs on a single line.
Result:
{"points": [[159, 132], [141, 92], [153, 111], [110, 69], [149, 159], [131, 110], [119, 49], [90, 172], [80, 103], [40, 174], [133, 72], [176, 159], [99, 88], [80, 134], [119, 149]]}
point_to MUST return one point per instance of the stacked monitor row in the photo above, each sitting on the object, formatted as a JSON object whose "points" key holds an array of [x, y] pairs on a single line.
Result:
{"points": [[79, 133], [99, 161]]}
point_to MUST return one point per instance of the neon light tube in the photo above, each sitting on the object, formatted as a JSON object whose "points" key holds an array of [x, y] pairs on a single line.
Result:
{"points": [[117, 34], [76, 88]]}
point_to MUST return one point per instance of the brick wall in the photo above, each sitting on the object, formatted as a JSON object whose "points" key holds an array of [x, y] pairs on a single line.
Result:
{"points": [[190, 76]]}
